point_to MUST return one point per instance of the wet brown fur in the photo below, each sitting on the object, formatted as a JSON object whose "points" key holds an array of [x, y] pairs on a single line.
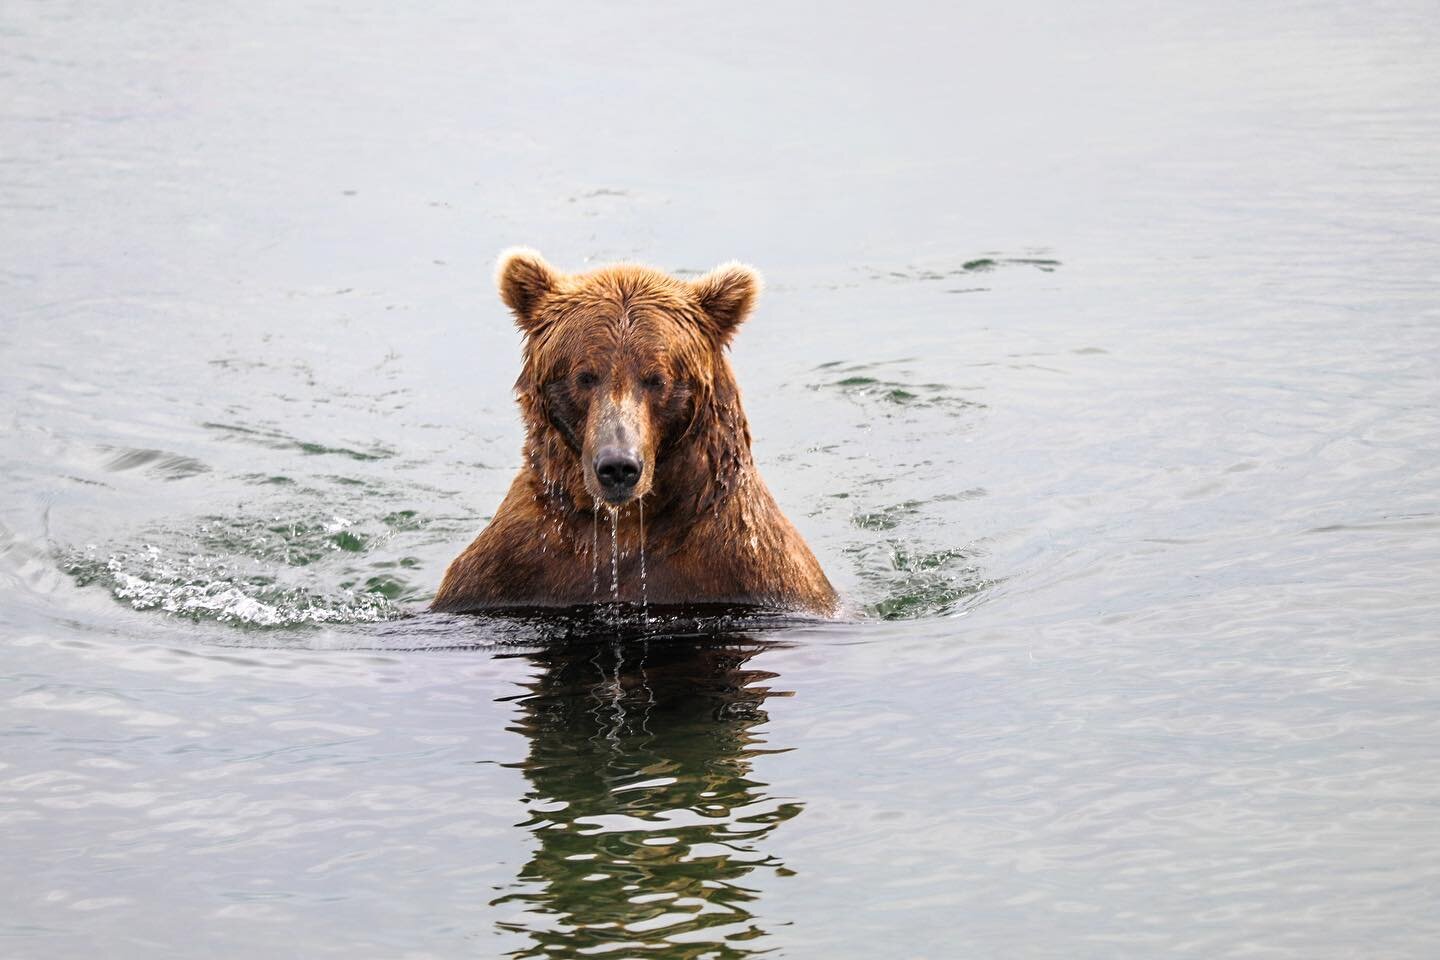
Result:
{"points": [[633, 339]]}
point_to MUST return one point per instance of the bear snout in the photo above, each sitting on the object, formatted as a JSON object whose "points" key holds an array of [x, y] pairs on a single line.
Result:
{"points": [[618, 471]]}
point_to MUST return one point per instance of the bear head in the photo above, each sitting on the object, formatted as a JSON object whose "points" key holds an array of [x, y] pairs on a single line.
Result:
{"points": [[623, 368]]}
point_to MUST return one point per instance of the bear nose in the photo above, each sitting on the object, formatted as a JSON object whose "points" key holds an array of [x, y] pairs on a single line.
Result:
{"points": [[617, 470]]}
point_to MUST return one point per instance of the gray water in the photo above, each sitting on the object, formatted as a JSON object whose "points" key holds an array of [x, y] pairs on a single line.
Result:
{"points": [[1099, 363]]}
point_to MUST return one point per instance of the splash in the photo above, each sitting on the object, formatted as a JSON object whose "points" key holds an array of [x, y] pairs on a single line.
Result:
{"points": [[205, 588], [904, 581], [299, 565]]}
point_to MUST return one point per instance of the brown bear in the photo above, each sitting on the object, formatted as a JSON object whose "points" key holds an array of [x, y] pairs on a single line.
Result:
{"points": [[630, 404]]}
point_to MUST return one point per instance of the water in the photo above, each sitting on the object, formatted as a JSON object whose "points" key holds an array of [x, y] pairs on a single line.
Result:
{"points": [[1099, 363], [644, 577], [614, 555]]}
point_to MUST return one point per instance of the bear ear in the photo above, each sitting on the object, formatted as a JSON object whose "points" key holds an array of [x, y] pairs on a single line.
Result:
{"points": [[727, 294], [523, 278]]}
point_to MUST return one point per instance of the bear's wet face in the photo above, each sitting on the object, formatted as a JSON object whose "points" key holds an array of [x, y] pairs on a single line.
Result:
{"points": [[620, 403], [620, 363]]}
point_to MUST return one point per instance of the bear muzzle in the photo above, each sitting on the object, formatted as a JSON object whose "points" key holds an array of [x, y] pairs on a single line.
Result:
{"points": [[616, 452], [618, 471]]}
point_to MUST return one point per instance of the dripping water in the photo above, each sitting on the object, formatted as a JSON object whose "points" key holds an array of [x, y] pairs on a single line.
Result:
{"points": [[614, 555], [644, 586], [594, 549]]}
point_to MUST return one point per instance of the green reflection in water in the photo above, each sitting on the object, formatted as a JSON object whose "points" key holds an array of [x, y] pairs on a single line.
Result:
{"points": [[645, 817]]}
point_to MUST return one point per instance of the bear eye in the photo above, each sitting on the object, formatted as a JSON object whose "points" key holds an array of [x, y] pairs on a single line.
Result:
{"points": [[653, 381], [586, 379]]}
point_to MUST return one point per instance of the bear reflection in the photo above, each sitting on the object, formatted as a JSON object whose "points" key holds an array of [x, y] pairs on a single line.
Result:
{"points": [[645, 817]]}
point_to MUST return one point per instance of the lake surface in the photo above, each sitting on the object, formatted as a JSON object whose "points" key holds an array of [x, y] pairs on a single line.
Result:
{"points": [[1099, 363]]}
